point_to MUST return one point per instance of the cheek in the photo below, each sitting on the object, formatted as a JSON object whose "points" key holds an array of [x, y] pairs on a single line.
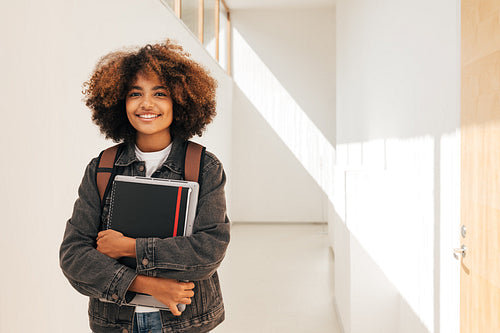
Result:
{"points": [[132, 120], [129, 109], [171, 109], [170, 105]]}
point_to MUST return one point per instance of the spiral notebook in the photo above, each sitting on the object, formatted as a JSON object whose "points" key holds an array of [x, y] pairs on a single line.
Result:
{"points": [[144, 207]]}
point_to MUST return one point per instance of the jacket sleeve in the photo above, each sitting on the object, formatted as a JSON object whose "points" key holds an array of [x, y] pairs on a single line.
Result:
{"points": [[89, 271], [198, 256]]}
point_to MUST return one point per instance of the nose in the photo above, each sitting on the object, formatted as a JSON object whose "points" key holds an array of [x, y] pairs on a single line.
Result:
{"points": [[147, 103]]}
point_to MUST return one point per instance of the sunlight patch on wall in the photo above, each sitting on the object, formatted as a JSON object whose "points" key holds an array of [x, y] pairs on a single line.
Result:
{"points": [[283, 114], [449, 230], [389, 209]]}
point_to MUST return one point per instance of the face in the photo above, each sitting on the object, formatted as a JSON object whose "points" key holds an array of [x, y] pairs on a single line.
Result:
{"points": [[149, 111]]}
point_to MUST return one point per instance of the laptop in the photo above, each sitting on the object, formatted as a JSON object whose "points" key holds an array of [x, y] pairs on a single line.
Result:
{"points": [[144, 207]]}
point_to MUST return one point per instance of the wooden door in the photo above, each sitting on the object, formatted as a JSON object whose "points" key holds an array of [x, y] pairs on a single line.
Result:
{"points": [[480, 167]]}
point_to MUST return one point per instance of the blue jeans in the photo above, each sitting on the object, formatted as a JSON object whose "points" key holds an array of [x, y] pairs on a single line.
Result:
{"points": [[147, 322]]}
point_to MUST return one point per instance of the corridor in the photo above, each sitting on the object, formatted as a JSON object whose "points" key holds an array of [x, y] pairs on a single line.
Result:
{"points": [[278, 278]]}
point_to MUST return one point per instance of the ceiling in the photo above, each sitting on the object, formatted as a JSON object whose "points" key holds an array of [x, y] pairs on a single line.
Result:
{"points": [[251, 4]]}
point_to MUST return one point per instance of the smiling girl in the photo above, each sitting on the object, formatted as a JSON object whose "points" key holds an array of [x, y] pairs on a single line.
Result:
{"points": [[152, 100]]}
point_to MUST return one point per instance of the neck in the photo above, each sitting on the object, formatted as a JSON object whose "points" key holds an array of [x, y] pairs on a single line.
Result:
{"points": [[151, 143]]}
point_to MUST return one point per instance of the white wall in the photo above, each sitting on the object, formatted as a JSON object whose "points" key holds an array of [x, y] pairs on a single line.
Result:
{"points": [[48, 50], [395, 213], [284, 70]]}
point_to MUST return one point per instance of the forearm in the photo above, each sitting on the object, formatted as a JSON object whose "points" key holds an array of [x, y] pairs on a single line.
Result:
{"points": [[191, 258], [142, 284], [92, 273], [168, 291], [183, 258], [129, 248]]}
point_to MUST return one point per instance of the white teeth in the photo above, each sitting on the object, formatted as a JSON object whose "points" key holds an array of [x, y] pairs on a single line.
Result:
{"points": [[148, 116]]}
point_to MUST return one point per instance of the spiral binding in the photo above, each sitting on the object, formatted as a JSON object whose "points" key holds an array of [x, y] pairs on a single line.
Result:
{"points": [[111, 205]]}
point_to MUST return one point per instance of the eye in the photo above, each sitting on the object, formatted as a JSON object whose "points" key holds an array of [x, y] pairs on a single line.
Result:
{"points": [[134, 94], [162, 94]]}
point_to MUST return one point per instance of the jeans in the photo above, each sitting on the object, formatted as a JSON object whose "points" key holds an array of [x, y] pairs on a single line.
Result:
{"points": [[147, 322]]}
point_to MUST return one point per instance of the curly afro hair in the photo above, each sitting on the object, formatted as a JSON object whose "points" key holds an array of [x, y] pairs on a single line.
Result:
{"points": [[191, 88]]}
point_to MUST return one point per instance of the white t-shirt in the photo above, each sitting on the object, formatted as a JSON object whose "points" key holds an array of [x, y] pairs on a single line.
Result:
{"points": [[153, 161]]}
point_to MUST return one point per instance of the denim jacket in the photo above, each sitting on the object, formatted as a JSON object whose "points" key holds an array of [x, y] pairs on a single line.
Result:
{"points": [[195, 258]]}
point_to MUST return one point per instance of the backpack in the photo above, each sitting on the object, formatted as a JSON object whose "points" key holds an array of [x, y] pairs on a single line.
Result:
{"points": [[106, 170]]}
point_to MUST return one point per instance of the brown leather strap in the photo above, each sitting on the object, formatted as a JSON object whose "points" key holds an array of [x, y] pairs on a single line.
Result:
{"points": [[194, 152], [192, 163], [105, 169]]}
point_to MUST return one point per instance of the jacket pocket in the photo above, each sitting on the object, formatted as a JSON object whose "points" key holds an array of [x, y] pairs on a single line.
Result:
{"points": [[99, 312], [109, 314], [209, 293]]}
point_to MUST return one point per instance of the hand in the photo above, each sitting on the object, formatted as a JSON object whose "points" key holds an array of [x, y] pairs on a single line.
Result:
{"points": [[115, 245], [172, 292], [169, 292]]}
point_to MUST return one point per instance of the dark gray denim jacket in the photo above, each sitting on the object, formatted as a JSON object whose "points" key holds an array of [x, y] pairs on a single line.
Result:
{"points": [[195, 258]]}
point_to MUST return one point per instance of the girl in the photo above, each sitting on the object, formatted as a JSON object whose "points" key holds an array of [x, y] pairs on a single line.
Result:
{"points": [[152, 100]]}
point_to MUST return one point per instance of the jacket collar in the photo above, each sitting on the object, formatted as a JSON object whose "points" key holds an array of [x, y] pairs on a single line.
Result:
{"points": [[175, 160]]}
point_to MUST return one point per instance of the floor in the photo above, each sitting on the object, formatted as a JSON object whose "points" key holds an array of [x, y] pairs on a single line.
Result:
{"points": [[278, 278]]}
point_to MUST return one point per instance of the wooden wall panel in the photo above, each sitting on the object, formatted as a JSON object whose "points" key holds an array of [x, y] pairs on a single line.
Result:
{"points": [[480, 166]]}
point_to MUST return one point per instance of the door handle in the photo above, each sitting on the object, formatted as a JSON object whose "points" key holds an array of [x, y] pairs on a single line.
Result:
{"points": [[461, 251]]}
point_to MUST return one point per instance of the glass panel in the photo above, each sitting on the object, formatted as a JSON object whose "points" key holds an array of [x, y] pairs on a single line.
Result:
{"points": [[223, 37], [189, 15], [209, 27], [171, 4]]}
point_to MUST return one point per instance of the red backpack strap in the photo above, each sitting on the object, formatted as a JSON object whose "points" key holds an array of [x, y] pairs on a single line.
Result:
{"points": [[105, 169], [192, 162]]}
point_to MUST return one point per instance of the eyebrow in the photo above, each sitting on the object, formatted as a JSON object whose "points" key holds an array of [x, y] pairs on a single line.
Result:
{"points": [[154, 88]]}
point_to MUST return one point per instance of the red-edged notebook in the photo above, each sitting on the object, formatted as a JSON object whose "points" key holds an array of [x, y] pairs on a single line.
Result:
{"points": [[151, 207]]}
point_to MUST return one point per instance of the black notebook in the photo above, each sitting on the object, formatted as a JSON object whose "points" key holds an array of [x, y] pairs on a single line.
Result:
{"points": [[150, 207]]}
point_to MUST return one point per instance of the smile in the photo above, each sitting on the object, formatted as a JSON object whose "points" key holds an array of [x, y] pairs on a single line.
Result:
{"points": [[148, 116]]}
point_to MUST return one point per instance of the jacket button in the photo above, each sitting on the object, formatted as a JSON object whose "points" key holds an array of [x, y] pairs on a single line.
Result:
{"points": [[141, 168], [145, 262], [114, 296]]}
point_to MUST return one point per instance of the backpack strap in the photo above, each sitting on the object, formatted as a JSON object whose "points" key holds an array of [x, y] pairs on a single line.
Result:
{"points": [[105, 170], [192, 162]]}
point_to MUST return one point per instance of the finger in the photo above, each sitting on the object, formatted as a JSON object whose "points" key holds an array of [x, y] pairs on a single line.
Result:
{"points": [[187, 285], [173, 309], [182, 297], [186, 294], [185, 300], [100, 236]]}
